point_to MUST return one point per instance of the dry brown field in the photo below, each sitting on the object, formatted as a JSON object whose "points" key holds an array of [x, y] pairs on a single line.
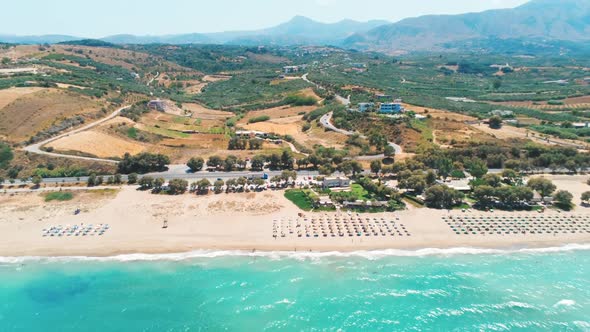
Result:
{"points": [[32, 112], [98, 144]]}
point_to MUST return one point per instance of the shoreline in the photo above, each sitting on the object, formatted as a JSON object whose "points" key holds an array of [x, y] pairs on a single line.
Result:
{"points": [[279, 254], [264, 222]]}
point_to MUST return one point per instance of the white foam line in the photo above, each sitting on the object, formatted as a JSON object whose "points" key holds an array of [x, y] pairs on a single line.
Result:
{"points": [[369, 255]]}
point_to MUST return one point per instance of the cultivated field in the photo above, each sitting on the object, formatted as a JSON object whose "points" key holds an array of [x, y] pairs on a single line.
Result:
{"points": [[98, 144], [581, 103]]}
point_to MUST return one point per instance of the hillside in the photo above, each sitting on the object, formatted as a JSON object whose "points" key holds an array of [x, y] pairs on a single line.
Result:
{"points": [[567, 20]]}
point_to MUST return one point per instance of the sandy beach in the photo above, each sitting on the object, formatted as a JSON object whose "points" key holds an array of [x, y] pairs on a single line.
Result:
{"points": [[241, 221]]}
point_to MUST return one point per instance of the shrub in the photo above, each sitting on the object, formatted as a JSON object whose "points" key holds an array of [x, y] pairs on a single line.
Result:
{"points": [[59, 196], [261, 118]]}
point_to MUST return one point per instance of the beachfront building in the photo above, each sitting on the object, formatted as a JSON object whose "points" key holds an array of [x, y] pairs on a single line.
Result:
{"points": [[365, 107], [336, 182], [395, 107], [458, 184]]}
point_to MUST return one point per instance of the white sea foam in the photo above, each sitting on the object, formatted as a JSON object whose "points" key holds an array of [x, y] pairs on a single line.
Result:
{"points": [[369, 255], [565, 303]]}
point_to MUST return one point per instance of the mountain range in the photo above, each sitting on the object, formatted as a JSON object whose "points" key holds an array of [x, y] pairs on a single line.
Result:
{"points": [[538, 20], [566, 20], [298, 31]]}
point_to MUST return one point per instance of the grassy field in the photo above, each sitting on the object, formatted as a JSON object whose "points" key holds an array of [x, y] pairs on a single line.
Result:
{"points": [[300, 199], [59, 196]]}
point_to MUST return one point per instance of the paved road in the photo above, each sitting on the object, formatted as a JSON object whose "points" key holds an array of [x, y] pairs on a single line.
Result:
{"points": [[326, 122], [176, 172], [339, 98], [36, 148]]}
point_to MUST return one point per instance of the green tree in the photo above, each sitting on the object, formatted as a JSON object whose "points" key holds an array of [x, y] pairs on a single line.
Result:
{"points": [[257, 163], [493, 180], [218, 186], [37, 180], [563, 199], [388, 151], [146, 182], [376, 166], [91, 180], [6, 155], [215, 161], [287, 160], [132, 178], [230, 163], [195, 164], [543, 186], [586, 197], [416, 183], [484, 195], [255, 144], [230, 185], [143, 163], [444, 167], [477, 168], [495, 122], [203, 187], [510, 176], [177, 186], [442, 197], [158, 183]]}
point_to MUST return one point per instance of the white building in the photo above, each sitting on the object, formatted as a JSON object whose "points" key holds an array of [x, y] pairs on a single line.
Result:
{"points": [[364, 107], [336, 182]]}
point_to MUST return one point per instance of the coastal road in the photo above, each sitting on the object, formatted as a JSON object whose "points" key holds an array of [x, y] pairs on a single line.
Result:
{"points": [[36, 148], [176, 172]]}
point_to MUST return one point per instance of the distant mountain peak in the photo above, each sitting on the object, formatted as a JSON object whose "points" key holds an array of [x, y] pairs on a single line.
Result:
{"points": [[567, 20]]}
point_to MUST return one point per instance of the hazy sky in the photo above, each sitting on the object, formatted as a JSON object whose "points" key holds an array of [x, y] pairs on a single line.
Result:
{"points": [[156, 17]]}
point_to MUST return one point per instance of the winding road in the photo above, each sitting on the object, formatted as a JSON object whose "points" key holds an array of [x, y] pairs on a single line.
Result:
{"points": [[36, 148], [326, 122]]}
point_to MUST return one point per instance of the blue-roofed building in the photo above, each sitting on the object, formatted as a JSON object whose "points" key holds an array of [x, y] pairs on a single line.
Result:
{"points": [[389, 108]]}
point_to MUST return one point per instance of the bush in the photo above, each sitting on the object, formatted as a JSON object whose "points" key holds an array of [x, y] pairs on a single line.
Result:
{"points": [[261, 118], [59, 196], [297, 100], [6, 155]]}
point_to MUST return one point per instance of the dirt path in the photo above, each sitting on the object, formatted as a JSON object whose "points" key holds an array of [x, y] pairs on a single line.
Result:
{"points": [[36, 148]]}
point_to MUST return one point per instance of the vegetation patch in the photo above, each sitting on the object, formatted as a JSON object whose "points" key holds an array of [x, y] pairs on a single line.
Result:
{"points": [[261, 118], [60, 196], [300, 198]]}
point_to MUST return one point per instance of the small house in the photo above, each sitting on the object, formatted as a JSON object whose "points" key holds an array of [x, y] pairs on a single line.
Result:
{"points": [[158, 105], [336, 182]]}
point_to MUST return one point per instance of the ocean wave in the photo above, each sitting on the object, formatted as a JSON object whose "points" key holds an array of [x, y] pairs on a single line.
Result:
{"points": [[369, 255], [565, 303]]}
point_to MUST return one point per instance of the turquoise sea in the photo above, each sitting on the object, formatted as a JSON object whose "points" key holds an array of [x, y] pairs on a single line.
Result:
{"points": [[428, 290]]}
